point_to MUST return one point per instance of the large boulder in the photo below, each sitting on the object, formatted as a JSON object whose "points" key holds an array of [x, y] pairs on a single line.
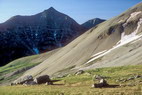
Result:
{"points": [[43, 79], [102, 83], [24, 79]]}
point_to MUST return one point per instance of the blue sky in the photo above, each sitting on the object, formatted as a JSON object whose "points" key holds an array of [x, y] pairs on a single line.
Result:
{"points": [[80, 10]]}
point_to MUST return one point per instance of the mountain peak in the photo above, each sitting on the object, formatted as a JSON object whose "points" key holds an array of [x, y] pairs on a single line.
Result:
{"points": [[51, 9], [92, 23]]}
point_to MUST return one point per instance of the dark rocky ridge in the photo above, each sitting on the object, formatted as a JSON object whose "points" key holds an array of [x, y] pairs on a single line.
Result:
{"points": [[27, 35], [93, 22]]}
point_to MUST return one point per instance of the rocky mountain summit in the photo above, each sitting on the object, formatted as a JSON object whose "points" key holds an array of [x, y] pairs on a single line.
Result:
{"points": [[27, 35], [93, 22]]}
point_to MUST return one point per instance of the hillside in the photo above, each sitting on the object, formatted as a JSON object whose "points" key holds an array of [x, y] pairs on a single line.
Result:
{"points": [[14, 69], [118, 42]]}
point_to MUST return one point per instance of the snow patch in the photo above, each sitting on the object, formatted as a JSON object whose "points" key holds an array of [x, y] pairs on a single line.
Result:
{"points": [[99, 53], [124, 40], [94, 21], [55, 34], [36, 50], [36, 34], [127, 38], [57, 41]]}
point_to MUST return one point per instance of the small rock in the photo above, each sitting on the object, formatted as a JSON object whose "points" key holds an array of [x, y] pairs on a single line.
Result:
{"points": [[61, 76], [137, 76], [24, 79], [1, 78], [97, 77], [68, 75], [131, 84], [104, 82], [93, 86], [130, 78], [139, 82], [48, 83], [124, 80], [11, 84], [121, 79], [117, 81], [79, 72]]}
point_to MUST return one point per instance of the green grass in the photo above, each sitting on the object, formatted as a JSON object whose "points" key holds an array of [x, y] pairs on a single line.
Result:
{"points": [[81, 84], [25, 62], [68, 90], [113, 74], [18, 64]]}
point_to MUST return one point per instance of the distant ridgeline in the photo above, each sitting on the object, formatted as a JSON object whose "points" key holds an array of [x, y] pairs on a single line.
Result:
{"points": [[28, 35]]}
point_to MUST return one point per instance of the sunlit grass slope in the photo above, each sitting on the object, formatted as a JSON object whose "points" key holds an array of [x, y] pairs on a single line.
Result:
{"points": [[81, 84], [22, 64]]}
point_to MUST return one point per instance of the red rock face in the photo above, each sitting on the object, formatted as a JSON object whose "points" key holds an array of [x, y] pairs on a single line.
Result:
{"points": [[27, 35]]}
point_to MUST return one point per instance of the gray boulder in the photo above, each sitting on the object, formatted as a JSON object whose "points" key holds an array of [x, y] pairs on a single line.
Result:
{"points": [[43, 79], [99, 77], [29, 83], [102, 83], [24, 79], [79, 72]]}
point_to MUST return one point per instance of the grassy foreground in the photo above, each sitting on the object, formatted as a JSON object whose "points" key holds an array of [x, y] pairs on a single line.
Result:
{"points": [[81, 84]]}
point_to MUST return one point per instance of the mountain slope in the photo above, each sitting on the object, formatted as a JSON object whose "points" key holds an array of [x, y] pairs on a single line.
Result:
{"points": [[17, 67], [93, 22], [112, 37], [27, 35]]}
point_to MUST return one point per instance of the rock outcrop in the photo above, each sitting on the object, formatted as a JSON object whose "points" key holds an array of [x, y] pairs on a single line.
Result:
{"points": [[102, 83], [92, 23], [43, 79], [79, 72], [22, 80], [28, 80]]}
